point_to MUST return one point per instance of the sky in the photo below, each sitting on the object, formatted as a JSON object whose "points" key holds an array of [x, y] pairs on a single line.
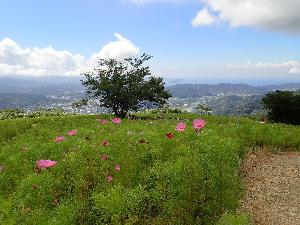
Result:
{"points": [[206, 40]]}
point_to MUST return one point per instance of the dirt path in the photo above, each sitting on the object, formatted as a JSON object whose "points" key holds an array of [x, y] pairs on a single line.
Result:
{"points": [[272, 188]]}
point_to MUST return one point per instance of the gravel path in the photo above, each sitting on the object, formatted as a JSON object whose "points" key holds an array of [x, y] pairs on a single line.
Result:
{"points": [[272, 185]]}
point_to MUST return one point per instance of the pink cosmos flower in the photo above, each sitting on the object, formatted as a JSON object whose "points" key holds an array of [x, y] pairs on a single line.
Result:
{"points": [[198, 124], [117, 167], [116, 120], [103, 122], [59, 139], [105, 143], [169, 135], [43, 164], [72, 132], [104, 157], [109, 178], [180, 127]]}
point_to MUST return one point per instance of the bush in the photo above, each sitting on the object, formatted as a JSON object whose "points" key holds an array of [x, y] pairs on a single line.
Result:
{"points": [[231, 219], [283, 106]]}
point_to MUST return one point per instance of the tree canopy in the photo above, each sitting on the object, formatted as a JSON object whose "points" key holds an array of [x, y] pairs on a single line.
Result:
{"points": [[125, 85], [283, 106]]}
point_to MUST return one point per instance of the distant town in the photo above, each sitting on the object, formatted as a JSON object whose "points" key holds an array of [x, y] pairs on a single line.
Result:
{"points": [[220, 99]]}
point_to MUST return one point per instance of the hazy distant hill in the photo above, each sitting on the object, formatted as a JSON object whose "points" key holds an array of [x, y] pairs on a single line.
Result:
{"points": [[49, 85], [16, 100], [224, 98], [35, 92], [39, 85], [48, 92], [200, 90]]}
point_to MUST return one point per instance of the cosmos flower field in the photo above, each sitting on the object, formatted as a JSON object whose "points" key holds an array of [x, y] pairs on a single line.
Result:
{"points": [[183, 169]]}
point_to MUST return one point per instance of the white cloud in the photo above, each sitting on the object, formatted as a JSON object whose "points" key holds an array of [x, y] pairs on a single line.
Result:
{"points": [[273, 15], [292, 67], [203, 18], [120, 49], [15, 60]]}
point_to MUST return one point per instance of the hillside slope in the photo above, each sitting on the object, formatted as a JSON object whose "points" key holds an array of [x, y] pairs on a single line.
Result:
{"points": [[134, 172]]}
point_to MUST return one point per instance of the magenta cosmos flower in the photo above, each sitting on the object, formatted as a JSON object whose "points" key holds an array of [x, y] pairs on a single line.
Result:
{"points": [[104, 157], [45, 163], [59, 139], [102, 121], [117, 167], [116, 120], [169, 135], [180, 127], [198, 124], [72, 132], [105, 143], [109, 178]]}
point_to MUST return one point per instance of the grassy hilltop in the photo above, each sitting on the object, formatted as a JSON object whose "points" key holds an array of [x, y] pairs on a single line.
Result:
{"points": [[129, 173]]}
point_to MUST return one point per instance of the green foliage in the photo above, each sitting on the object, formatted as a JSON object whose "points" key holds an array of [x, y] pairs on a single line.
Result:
{"points": [[11, 128], [231, 219], [11, 114], [189, 179], [125, 85], [276, 137], [283, 106], [38, 113], [160, 112]]}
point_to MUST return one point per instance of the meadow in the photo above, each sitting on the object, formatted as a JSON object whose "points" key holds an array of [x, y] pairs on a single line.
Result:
{"points": [[138, 171]]}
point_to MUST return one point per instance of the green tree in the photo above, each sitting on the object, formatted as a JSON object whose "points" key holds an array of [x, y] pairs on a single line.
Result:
{"points": [[283, 106], [125, 85]]}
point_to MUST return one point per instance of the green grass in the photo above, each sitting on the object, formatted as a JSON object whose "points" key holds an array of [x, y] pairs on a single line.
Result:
{"points": [[189, 179]]}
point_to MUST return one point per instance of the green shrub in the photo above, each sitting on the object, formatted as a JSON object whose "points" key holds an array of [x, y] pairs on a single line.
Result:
{"points": [[283, 106], [234, 219]]}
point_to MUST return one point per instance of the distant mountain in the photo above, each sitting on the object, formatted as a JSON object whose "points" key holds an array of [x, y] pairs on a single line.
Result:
{"points": [[39, 85], [12, 85], [287, 86], [224, 98], [15, 100], [59, 92], [35, 92], [200, 90]]}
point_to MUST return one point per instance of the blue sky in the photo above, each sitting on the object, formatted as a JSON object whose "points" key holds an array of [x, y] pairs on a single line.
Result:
{"points": [[229, 40]]}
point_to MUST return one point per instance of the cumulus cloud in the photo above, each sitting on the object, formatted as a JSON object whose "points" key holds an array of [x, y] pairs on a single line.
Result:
{"points": [[203, 18], [119, 49], [292, 67], [273, 15], [15, 60]]}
